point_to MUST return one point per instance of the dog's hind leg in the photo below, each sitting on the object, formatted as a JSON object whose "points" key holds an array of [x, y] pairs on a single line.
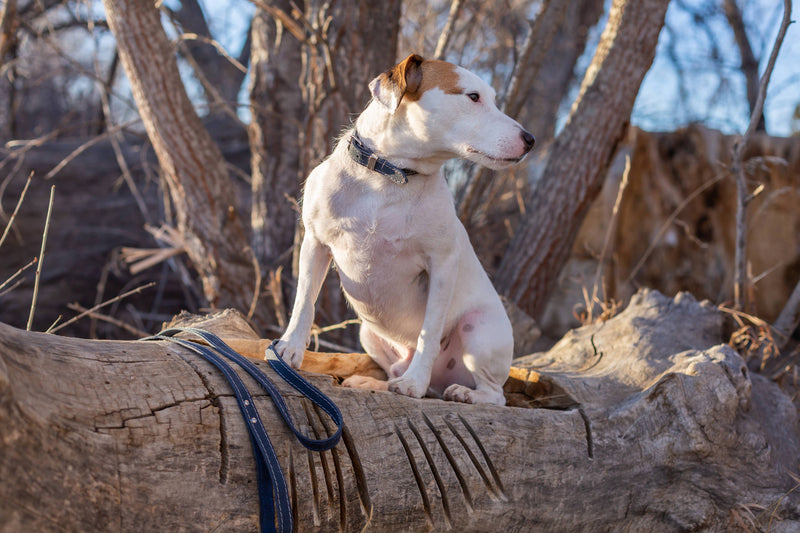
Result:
{"points": [[488, 349], [384, 353]]}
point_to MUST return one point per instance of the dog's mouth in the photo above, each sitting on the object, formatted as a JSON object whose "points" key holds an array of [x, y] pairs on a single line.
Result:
{"points": [[495, 160]]}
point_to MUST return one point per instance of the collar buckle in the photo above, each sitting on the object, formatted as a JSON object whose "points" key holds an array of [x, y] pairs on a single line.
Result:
{"points": [[373, 159], [367, 158]]}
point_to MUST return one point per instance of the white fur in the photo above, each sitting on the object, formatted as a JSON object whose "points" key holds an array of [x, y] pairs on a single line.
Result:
{"points": [[430, 316]]}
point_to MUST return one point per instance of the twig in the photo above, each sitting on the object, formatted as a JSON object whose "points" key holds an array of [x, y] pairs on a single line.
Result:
{"points": [[17, 273], [220, 49], [789, 318], [212, 92], [56, 321], [316, 331], [41, 258], [123, 165], [110, 319], [275, 289], [257, 288], [740, 274], [611, 226], [11, 288], [664, 227], [16, 209], [107, 302], [736, 314], [85, 146]]}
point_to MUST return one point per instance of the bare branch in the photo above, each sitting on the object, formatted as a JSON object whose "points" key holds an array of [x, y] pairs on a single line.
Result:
{"points": [[737, 168], [74, 319], [106, 318], [749, 63], [16, 210], [447, 31], [41, 258], [88, 144], [789, 318], [217, 46]]}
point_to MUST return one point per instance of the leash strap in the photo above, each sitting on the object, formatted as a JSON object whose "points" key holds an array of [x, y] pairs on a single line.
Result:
{"points": [[273, 494]]}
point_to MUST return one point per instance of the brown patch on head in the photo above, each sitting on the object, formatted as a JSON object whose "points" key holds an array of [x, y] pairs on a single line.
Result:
{"points": [[409, 79], [406, 76], [390, 87], [437, 74]]}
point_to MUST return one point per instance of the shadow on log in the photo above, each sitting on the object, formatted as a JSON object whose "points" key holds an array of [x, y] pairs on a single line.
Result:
{"points": [[644, 423]]}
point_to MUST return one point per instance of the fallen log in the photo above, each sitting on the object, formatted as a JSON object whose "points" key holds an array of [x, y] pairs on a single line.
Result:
{"points": [[643, 423]]}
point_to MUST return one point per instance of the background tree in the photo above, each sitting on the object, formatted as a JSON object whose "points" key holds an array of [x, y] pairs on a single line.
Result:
{"points": [[206, 210], [72, 117]]}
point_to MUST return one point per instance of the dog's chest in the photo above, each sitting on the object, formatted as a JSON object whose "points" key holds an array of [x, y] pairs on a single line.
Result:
{"points": [[367, 237]]}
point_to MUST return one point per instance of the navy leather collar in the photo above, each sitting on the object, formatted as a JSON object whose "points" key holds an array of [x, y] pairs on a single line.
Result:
{"points": [[367, 158]]}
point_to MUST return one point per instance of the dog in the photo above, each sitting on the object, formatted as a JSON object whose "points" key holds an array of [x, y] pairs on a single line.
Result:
{"points": [[380, 208]]}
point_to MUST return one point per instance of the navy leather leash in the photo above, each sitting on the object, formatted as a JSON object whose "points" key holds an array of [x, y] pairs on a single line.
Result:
{"points": [[273, 494]]}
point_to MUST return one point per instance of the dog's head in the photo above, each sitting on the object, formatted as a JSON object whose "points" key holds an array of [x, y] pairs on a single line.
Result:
{"points": [[448, 109]]}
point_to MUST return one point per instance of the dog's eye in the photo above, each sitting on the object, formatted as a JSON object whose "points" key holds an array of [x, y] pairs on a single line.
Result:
{"points": [[474, 96]]}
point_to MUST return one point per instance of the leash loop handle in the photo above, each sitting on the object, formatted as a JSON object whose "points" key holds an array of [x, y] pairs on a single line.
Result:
{"points": [[274, 499]]}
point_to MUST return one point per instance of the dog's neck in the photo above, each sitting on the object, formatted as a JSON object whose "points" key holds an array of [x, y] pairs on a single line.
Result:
{"points": [[391, 137]]}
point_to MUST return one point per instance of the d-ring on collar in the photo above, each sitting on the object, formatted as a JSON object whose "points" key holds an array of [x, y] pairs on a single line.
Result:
{"points": [[367, 158]]}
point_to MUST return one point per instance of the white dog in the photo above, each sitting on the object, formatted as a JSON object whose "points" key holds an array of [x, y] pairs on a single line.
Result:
{"points": [[379, 206]]}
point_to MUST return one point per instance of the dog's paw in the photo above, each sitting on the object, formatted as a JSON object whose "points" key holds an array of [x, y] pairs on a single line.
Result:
{"points": [[407, 386], [365, 382], [458, 393], [463, 394], [291, 352]]}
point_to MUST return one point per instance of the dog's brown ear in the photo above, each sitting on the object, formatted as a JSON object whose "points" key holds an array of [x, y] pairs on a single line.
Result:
{"points": [[404, 78]]}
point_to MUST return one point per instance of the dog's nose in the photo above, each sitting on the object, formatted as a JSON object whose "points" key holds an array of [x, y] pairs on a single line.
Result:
{"points": [[528, 139]]}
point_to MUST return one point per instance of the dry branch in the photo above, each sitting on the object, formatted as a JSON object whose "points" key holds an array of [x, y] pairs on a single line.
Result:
{"points": [[105, 318], [16, 210], [122, 296], [737, 167], [789, 318], [41, 258]]}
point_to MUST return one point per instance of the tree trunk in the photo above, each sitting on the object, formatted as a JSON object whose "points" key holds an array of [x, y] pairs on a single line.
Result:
{"points": [[278, 110], [580, 156], [192, 165], [556, 71], [312, 65], [662, 430]]}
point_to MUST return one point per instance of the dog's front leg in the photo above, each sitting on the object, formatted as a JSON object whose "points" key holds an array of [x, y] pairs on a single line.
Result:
{"points": [[315, 258], [442, 283]]}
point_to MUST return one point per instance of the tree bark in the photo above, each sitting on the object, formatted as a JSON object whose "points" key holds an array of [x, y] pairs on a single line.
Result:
{"points": [[313, 65], [192, 164], [581, 154], [662, 430], [8, 28], [275, 131]]}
